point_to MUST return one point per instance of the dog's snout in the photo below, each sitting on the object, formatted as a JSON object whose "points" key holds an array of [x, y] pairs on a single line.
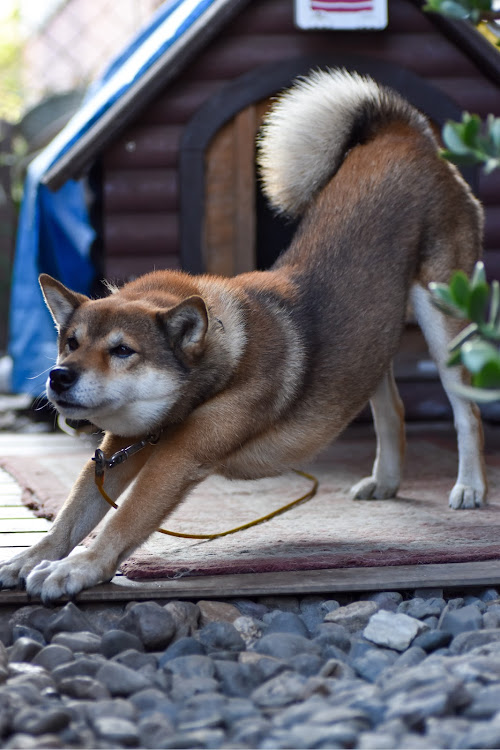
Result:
{"points": [[62, 378]]}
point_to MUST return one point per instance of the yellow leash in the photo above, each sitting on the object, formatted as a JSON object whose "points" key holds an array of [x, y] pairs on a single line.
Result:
{"points": [[99, 480]]}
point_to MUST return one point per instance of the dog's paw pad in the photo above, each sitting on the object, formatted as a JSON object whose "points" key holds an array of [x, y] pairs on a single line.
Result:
{"points": [[466, 497], [369, 489]]}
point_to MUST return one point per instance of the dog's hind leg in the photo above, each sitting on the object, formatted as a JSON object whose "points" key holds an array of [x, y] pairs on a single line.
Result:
{"points": [[388, 417], [471, 488]]}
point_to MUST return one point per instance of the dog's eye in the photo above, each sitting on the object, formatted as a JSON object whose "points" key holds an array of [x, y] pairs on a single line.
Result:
{"points": [[122, 351], [72, 343]]}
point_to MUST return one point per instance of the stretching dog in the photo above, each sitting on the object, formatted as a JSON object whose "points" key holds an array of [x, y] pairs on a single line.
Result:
{"points": [[248, 376]]}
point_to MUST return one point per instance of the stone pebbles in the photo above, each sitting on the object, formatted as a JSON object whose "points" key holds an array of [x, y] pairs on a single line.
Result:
{"points": [[276, 672]]}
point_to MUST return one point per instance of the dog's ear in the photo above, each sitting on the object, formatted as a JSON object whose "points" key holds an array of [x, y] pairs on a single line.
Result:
{"points": [[62, 302], [186, 327]]}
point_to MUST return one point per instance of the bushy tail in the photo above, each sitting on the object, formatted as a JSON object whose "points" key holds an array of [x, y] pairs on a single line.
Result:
{"points": [[312, 126]]}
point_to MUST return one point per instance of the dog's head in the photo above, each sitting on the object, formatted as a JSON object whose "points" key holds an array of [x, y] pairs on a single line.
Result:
{"points": [[124, 363]]}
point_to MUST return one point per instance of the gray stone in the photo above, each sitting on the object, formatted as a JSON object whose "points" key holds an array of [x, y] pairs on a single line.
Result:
{"points": [[312, 612], [370, 665], [83, 688], [116, 730], [428, 593], [84, 666], [485, 703], [483, 735], [280, 691], [330, 634], [69, 619], [82, 641], [216, 611], [249, 608], [23, 631], [202, 714], [184, 688], [152, 700], [237, 709], [194, 665], [119, 707], [249, 732], [353, 616], [204, 738], [153, 624], [491, 620], [26, 741], [136, 659], [306, 664], [461, 620], [115, 641], [20, 672], [389, 600], [23, 649], [285, 645], [282, 603], [482, 606], [249, 628], [120, 680], [53, 656], [34, 616], [489, 595], [220, 636], [287, 622], [235, 679], [421, 608], [430, 640], [464, 642], [183, 647], [393, 630], [336, 669], [37, 721], [153, 729], [186, 617]]}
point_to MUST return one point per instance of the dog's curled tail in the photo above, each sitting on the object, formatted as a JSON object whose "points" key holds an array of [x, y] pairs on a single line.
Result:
{"points": [[312, 126]]}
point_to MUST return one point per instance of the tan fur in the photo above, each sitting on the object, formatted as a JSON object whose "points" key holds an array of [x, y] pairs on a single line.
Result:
{"points": [[251, 375]]}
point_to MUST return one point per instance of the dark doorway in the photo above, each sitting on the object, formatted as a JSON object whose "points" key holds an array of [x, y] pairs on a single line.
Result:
{"points": [[273, 233]]}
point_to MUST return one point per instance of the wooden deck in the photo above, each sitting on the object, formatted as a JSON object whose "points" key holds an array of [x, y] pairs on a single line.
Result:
{"points": [[19, 529]]}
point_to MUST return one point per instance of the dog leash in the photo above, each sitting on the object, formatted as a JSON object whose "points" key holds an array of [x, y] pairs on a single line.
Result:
{"points": [[102, 463]]}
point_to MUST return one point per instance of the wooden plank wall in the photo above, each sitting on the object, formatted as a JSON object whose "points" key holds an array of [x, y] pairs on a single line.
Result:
{"points": [[140, 170]]}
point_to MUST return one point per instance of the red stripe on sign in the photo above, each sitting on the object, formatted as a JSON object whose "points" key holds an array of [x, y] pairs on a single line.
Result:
{"points": [[340, 6]]}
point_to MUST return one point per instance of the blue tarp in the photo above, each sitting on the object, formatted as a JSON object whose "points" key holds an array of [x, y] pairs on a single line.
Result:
{"points": [[54, 233]]}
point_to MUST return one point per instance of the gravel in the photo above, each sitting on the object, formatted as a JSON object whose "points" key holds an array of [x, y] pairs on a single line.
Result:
{"points": [[388, 670]]}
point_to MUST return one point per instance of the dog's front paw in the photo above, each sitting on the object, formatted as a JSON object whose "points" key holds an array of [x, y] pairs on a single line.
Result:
{"points": [[465, 496], [67, 577], [371, 489], [14, 572]]}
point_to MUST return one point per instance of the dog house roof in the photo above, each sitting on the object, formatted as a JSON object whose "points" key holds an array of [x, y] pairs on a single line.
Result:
{"points": [[177, 32]]}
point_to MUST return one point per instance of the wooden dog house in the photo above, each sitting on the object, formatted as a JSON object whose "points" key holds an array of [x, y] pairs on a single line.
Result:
{"points": [[173, 167]]}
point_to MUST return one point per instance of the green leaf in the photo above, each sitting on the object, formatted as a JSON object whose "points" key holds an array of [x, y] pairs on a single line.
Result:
{"points": [[489, 376], [459, 289], [477, 303], [441, 298], [470, 129], [454, 359], [479, 274], [477, 354], [461, 160], [453, 138]]}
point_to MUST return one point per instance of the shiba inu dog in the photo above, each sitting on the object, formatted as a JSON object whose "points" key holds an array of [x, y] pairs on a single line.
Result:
{"points": [[250, 375]]}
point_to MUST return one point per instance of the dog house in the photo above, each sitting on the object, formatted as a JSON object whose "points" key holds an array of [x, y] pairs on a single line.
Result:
{"points": [[172, 165]]}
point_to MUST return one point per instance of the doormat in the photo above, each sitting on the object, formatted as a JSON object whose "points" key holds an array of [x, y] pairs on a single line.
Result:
{"points": [[328, 531]]}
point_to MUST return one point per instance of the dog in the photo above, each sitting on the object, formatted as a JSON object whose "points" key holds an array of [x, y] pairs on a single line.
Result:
{"points": [[248, 376]]}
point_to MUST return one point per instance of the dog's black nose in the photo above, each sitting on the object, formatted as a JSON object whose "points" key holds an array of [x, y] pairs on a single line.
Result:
{"points": [[62, 378]]}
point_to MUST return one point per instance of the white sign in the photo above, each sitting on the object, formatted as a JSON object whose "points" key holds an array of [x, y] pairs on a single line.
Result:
{"points": [[341, 14]]}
